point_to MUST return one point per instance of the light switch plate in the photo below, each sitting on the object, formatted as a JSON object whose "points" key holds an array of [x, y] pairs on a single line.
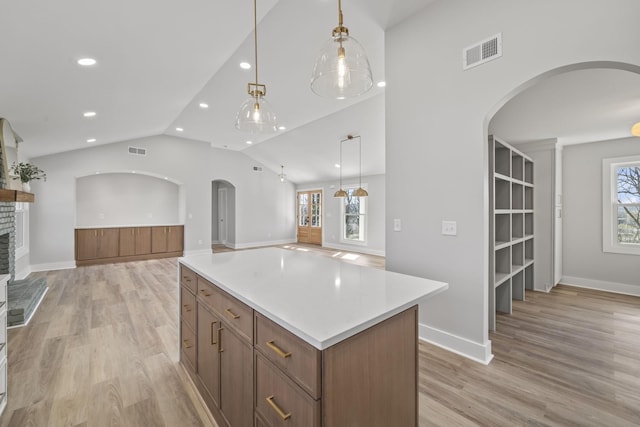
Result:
{"points": [[397, 225], [449, 228]]}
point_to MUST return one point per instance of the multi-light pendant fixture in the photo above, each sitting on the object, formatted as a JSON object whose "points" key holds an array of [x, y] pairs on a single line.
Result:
{"points": [[359, 192], [256, 114], [342, 69]]}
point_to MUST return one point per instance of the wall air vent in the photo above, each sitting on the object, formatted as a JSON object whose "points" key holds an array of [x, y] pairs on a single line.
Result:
{"points": [[257, 168], [484, 51], [138, 151]]}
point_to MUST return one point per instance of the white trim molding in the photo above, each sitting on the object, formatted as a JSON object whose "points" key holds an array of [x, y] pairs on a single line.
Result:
{"points": [[354, 248], [260, 244], [601, 285], [477, 352], [53, 266]]}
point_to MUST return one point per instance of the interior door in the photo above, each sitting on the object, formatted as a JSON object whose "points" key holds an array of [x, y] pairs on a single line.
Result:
{"points": [[222, 215], [309, 217]]}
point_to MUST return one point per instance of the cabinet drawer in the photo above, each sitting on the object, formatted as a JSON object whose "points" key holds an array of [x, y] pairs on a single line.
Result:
{"points": [[235, 313], [188, 344], [280, 401], [188, 307], [188, 278], [298, 359]]}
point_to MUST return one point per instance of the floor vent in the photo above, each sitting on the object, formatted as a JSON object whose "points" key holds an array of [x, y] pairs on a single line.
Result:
{"points": [[484, 51], [138, 151], [257, 168]]}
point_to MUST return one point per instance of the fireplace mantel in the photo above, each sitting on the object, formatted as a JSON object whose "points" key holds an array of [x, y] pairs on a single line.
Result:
{"points": [[15, 196]]}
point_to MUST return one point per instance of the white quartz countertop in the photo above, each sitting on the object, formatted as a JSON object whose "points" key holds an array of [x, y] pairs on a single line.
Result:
{"points": [[317, 298]]}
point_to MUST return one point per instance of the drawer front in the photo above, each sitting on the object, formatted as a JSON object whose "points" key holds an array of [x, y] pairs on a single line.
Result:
{"points": [[188, 344], [233, 312], [188, 278], [188, 307], [298, 359], [280, 401]]}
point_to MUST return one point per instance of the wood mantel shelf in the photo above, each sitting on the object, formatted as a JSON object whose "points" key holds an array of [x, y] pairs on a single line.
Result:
{"points": [[15, 196]]}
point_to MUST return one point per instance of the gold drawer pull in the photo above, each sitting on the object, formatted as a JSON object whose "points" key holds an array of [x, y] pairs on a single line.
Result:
{"points": [[204, 292], [277, 409], [231, 314], [212, 323], [187, 307], [278, 350], [185, 344], [186, 278], [220, 350]]}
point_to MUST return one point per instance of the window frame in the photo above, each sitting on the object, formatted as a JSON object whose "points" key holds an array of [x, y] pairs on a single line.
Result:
{"points": [[343, 216], [610, 205]]}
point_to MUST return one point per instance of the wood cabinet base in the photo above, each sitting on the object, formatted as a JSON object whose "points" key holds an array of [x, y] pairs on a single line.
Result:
{"points": [[128, 258]]}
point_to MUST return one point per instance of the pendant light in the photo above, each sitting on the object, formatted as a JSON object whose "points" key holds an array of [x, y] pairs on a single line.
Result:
{"points": [[256, 114], [635, 130], [340, 192], [342, 69], [360, 192], [282, 175]]}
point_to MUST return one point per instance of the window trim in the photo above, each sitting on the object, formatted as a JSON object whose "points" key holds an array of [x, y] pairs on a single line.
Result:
{"points": [[343, 214], [609, 218]]}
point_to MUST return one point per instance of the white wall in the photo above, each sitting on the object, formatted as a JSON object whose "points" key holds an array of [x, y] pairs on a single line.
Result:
{"points": [[436, 133], [332, 225], [585, 264], [264, 216], [123, 199]]}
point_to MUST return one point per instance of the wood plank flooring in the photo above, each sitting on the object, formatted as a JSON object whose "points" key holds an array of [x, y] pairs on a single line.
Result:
{"points": [[102, 350]]}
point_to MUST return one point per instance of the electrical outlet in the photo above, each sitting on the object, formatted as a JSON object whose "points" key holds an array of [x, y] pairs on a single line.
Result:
{"points": [[397, 225], [449, 228]]}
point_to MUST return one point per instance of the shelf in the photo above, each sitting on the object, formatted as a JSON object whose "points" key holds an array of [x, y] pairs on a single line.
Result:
{"points": [[528, 262], [500, 278], [16, 196], [500, 245]]}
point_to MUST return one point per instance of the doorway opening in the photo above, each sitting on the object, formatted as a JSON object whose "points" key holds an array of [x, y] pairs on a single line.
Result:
{"points": [[309, 217], [223, 214]]}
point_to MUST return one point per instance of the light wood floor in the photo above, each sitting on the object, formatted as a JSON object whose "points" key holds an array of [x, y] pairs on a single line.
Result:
{"points": [[103, 349]]}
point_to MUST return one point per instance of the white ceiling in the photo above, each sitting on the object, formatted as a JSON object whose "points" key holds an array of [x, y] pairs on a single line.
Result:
{"points": [[157, 60]]}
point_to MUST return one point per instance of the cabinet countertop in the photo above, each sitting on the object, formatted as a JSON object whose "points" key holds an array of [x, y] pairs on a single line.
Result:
{"points": [[319, 299]]}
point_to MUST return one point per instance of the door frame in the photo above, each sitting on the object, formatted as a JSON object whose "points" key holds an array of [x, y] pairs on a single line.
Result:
{"points": [[223, 229]]}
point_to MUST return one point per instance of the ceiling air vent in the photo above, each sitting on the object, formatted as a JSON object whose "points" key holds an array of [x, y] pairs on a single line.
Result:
{"points": [[257, 168], [484, 51], [138, 151]]}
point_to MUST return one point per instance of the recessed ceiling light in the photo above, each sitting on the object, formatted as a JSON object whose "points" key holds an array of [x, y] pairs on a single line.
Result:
{"points": [[340, 97], [249, 142], [133, 171], [90, 140], [337, 165], [245, 65], [204, 105], [282, 127], [166, 178], [179, 129], [89, 114], [86, 62], [381, 84]]}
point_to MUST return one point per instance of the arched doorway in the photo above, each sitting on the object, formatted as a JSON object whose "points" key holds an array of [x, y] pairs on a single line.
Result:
{"points": [[223, 213]]}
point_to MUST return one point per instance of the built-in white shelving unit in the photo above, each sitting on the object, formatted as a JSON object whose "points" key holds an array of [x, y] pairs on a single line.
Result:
{"points": [[510, 227], [3, 342]]}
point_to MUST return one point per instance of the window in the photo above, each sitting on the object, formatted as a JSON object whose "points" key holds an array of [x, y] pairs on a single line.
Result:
{"points": [[355, 218], [22, 229], [621, 205]]}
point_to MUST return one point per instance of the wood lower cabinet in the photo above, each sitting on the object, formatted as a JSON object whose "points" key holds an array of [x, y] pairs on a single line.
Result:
{"points": [[236, 379], [166, 239], [209, 353], [94, 243], [106, 245]]}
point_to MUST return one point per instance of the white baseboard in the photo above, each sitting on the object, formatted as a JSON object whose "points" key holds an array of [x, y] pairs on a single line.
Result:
{"points": [[52, 266], [260, 244], [19, 275], [354, 248], [197, 252], [477, 352], [617, 288]]}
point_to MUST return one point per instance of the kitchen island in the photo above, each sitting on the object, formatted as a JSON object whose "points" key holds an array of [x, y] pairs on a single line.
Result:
{"points": [[275, 337]]}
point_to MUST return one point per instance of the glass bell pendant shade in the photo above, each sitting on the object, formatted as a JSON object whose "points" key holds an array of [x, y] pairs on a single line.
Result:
{"points": [[342, 69], [256, 116]]}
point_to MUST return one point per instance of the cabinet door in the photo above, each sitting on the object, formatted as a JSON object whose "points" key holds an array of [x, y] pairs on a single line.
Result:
{"points": [[108, 242], [127, 241], [174, 238], [236, 379], [86, 244], [143, 241], [158, 239], [208, 357]]}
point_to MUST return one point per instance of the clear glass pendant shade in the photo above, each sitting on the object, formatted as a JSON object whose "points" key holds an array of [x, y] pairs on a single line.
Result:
{"points": [[256, 116], [342, 69]]}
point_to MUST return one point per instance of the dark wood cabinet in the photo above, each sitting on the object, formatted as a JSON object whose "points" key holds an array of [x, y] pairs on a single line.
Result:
{"points": [[208, 352], [236, 379], [104, 245]]}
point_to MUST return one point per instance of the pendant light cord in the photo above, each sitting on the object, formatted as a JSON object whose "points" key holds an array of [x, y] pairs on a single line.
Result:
{"points": [[255, 37]]}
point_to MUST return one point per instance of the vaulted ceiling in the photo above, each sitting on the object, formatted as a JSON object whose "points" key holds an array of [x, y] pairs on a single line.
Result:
{"points": [[159, 60]]}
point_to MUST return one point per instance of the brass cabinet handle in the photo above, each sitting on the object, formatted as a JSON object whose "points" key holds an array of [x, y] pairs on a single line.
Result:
{"points": [[231, 314], [185, 344], [283, 415], [204, 292], [213, 323], [186, 278], [278, 350], [186, 307], [220, 350]]}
